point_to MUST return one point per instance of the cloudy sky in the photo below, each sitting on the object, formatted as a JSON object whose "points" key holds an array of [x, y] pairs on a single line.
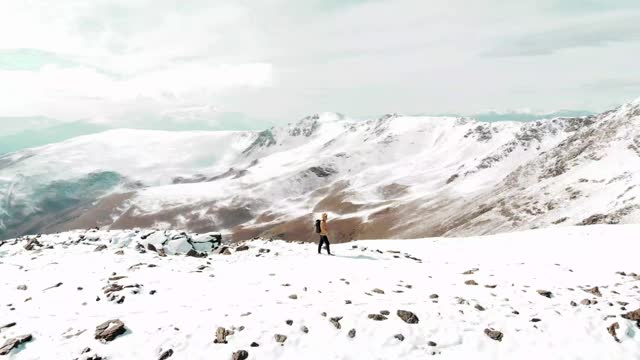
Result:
{"points": [[242, 63]]}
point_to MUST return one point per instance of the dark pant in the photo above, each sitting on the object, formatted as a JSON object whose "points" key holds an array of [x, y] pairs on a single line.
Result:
{"points": [[323, 240]]}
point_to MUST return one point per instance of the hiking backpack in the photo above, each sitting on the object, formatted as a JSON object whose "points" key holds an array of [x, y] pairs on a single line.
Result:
{"points": [[318, 229]]}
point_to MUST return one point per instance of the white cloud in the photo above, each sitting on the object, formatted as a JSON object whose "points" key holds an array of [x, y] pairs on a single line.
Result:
{"points": [[115, 60]]}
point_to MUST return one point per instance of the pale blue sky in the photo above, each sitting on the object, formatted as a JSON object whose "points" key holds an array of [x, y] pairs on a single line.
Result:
{"points": [[246, 63]]}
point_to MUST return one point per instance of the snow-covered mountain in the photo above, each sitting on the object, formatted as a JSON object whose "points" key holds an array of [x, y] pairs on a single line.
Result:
{"points": [[562, 293], [393, 177]]}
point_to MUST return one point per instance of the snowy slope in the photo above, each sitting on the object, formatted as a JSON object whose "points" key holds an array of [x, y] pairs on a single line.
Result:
{"points": [[393, 177], [177, 303]]}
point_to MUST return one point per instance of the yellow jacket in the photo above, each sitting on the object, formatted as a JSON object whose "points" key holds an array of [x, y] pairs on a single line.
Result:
{"points": [[323, 228]]}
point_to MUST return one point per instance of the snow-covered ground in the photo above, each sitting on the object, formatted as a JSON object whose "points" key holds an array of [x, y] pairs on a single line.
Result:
{"points": [[181, 301]]}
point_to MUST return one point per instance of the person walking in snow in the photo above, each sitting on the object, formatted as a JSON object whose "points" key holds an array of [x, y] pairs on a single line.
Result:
{"points": [[321, 228]]}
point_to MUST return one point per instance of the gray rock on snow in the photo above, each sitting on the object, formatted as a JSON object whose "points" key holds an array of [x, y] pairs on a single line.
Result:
{"points": [[545, 293], [221, 335], [399, 337], [336, 322], [494, 334], [109, 330], [14, 343], [408, 317], [352, 333], [240, 355], [377, 317], [166, 354], [22, 287], [280, 338]]}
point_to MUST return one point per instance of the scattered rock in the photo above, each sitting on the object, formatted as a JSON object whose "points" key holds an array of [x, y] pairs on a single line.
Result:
{"points": [[119, 252], [264, 251], [385, 312], [240, 355], [493, 334], [470, 272], [399, 337], [53, 287], [193, 253], [109, 330], [491, 286], [535, 320], [408, 317], [12, 324], [479, 307], [165, 355], [221, 335], [431, 343], [222, 250], [612, 330], [633, 315], [13, 343], [22, 287], [289, 322], [242, 248], [348, 302], [471, 282], [595, 291], [352, 333], [293, 297], [254, 344], [304, 329], [100, 248], [434, 296], [336, 322], [545, 293], [323, 314], [573, 303], [32, 243], [585, 302], [280, 338], [378, 291], [377, 317]]}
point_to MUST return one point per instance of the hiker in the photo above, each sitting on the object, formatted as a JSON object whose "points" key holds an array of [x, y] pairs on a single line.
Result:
{"points": [[321, 228]]}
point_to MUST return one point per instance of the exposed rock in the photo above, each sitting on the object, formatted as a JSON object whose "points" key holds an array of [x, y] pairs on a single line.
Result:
{"points": [[53, 287], [545, 293], [242, 248], [254, 344], [573, 303], [595, 291], [264, 251], [535, 320], [612, 330], [119, 252], [240, 355], [33, 242], [352, 333], [633, 315], [377, 291], [22, 287], [336, 321], [347, 302], [289, 322], [431, 343], [222, 250], [165, 355], [479, 307], [385, 312], [470, 272], [494, 334], [13, 343], [471, 282], [585, 302], [491, 286], [193, 253], [280, 338], [408, 317], [293, 297], [100, 248], [399, 337], [109, 330], [11, 324], [221, 335], [434, 296], [377, 317], [304, 329]]}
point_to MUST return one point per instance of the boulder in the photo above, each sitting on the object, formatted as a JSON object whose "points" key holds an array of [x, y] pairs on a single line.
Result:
{"points": [[494, 334], [545, 293], [240, 355], [336, 322], [14, 343], [100, 248], [165, 355], [221, 335], [408, 317], [633, 315], [280, 338], [109, 330], [352, 333], [242, 248]]}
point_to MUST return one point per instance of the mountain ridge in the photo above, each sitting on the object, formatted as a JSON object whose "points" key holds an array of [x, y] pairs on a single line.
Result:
{"points": [[396, 176]]}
